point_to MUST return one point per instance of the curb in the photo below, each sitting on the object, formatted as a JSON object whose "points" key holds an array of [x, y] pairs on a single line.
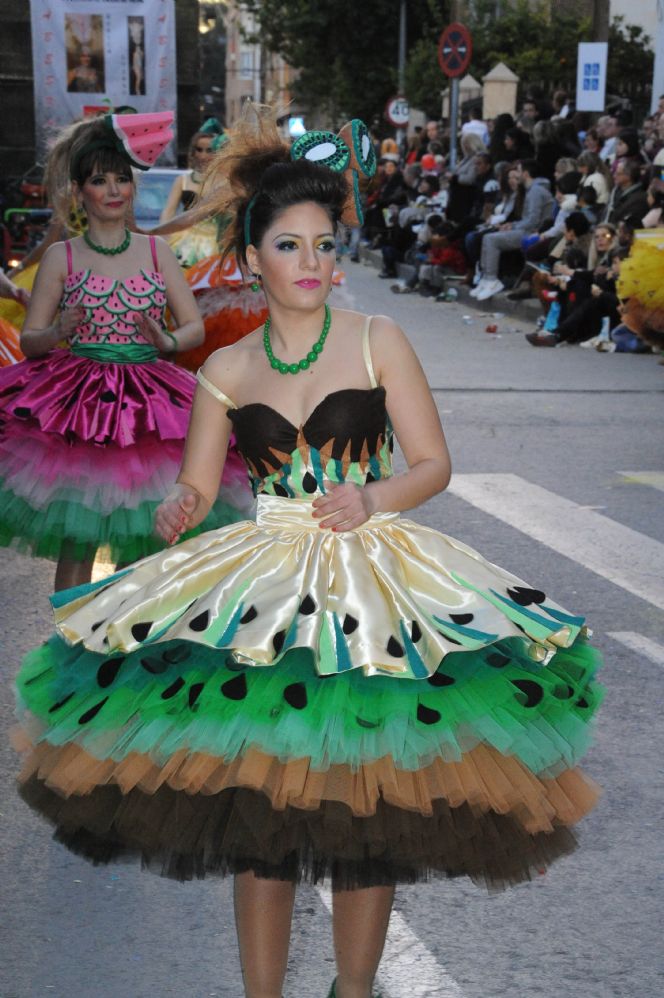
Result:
{"points": [[529, 310]]}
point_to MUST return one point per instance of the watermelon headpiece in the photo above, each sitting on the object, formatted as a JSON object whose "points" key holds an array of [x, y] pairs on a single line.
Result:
{"points": [[141, 138]]}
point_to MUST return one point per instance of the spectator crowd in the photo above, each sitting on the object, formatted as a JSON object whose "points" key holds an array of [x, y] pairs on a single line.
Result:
{"points": [[545, 205]]}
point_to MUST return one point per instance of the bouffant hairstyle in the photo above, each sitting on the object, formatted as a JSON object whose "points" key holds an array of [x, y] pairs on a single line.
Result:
{"points": [[80, 150], [254, 179]]}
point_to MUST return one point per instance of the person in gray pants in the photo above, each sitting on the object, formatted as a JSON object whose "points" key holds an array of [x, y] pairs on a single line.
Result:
{"points": [[537, 209]]}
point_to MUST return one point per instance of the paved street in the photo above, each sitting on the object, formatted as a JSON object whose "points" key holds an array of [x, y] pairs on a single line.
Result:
{"points": [[553, 450]]}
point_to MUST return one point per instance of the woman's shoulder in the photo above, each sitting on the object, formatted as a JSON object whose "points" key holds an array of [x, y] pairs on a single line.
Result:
{"points": [[229, 367], [356, 322]]}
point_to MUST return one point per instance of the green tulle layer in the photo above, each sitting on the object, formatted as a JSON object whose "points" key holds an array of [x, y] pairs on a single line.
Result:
{"points": [[180, 695], [124, 534]]}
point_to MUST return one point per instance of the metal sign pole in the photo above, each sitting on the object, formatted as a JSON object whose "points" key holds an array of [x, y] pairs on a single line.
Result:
{"points": [[454, 120], [401, 132]]}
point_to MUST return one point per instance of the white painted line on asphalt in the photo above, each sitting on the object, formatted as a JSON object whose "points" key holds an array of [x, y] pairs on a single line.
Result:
{"points": [[408, 969], [653, 478], [624, 556], [640, 644]]}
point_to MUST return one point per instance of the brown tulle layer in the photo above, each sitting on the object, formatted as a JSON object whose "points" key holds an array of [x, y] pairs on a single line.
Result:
{"points": [[185, 836], [483, 779]]}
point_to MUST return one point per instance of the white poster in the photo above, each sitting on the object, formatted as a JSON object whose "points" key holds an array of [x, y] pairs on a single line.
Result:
{"points": [[98, 55], [591, 76]]}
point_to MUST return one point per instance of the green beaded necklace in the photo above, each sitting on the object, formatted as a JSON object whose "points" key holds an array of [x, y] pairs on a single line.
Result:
{"points": [[109, 250], [312, 356]]}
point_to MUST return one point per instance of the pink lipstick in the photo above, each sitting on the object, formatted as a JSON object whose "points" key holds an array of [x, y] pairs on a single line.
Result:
{"points": [[309, 283]]}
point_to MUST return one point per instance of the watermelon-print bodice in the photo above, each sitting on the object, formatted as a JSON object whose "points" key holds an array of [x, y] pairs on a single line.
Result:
{"points": [[347, 438], [112, 305]]}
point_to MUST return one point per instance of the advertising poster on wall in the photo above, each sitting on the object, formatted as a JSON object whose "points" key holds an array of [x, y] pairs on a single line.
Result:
{"points": [[96, 55]]}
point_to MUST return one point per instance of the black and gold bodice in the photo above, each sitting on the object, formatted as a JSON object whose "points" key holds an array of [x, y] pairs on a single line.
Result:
{"points": [[346, 438]]}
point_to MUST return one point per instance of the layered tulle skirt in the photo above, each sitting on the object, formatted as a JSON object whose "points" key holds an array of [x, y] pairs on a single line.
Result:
{"points": [[376, 706], [88, 449]]}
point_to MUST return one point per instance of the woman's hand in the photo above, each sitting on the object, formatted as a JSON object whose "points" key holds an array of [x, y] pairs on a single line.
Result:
{"points": [[343, 507], [153, 333], [68, 321], [174, 514]]}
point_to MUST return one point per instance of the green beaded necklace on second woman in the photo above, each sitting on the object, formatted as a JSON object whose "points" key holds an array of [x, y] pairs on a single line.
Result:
{"points": [[311, 357]]}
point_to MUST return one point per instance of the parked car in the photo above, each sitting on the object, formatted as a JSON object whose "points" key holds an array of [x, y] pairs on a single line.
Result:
{"points": [[152, 190]]}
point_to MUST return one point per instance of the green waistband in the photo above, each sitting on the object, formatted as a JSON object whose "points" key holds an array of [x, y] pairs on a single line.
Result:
{"points": [[117, 353]]}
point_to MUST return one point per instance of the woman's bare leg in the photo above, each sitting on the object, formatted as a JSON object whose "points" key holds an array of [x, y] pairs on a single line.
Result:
{"points": [[72, 572], [360, 921], [263, 912]]}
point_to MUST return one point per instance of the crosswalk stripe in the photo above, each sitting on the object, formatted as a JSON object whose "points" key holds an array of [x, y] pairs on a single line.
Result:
{"points": [[624, 556], [408, 969], [640, 644], [653, 478]]}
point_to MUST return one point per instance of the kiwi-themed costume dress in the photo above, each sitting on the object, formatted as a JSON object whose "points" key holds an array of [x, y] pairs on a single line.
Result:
{"points": [[379, 705]]}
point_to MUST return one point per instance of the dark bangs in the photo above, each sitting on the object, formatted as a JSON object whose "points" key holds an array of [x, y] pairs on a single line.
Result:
{"points": [[106, 159]]}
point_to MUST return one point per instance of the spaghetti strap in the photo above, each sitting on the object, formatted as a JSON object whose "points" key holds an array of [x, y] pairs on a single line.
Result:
{"points": [[70, 267], [155, 258], [366, 352], [213, 390]]}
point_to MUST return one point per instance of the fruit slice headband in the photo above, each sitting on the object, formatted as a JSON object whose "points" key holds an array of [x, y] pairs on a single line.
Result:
{"points": [[351, 152], [140, 137]]}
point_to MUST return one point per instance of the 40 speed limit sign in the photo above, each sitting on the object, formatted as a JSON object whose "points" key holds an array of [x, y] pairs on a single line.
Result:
{"points": [[397, 112]]}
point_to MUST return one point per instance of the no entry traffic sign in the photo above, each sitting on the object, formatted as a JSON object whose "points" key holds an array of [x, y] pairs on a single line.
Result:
{"points": [[397, 112], [455, 48]]}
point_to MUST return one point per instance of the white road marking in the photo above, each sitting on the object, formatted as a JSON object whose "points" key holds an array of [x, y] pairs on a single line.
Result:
{"points": [[624, 556], [653, 478], [640, 644], [408, 969]]}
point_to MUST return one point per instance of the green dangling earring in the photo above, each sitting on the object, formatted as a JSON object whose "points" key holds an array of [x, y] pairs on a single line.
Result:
{"points": [[255, 285]]}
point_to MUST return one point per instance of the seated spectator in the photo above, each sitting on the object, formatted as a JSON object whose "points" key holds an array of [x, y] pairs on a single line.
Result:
{"points": [[497, 150], [486, 191], [596, 173], [390, 191], [402, 231], [655, 196], [586, 200], [585, 301], [628, 146], [432, 133], [566, 137], [461, 181], [607, 129], [517, 145], [528, 114], [507, 207], [628, 197], [570, 228], [592, 141], [564, 165], [547, 149], [604, 240], [476, 126], [566, 201], [437, 253], [562, 107], [537, 210]]}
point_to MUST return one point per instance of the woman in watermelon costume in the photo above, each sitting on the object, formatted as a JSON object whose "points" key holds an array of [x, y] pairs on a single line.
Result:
{"points": [[91, 435], [330, 690], [10, 350]]}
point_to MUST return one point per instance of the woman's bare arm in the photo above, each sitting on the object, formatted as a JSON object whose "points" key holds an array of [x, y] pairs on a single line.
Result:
{"points": [[416, 423], [44, 327]]}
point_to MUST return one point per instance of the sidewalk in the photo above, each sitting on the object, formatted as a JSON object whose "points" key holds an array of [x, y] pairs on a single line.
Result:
{"points": [[528, 311]]}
